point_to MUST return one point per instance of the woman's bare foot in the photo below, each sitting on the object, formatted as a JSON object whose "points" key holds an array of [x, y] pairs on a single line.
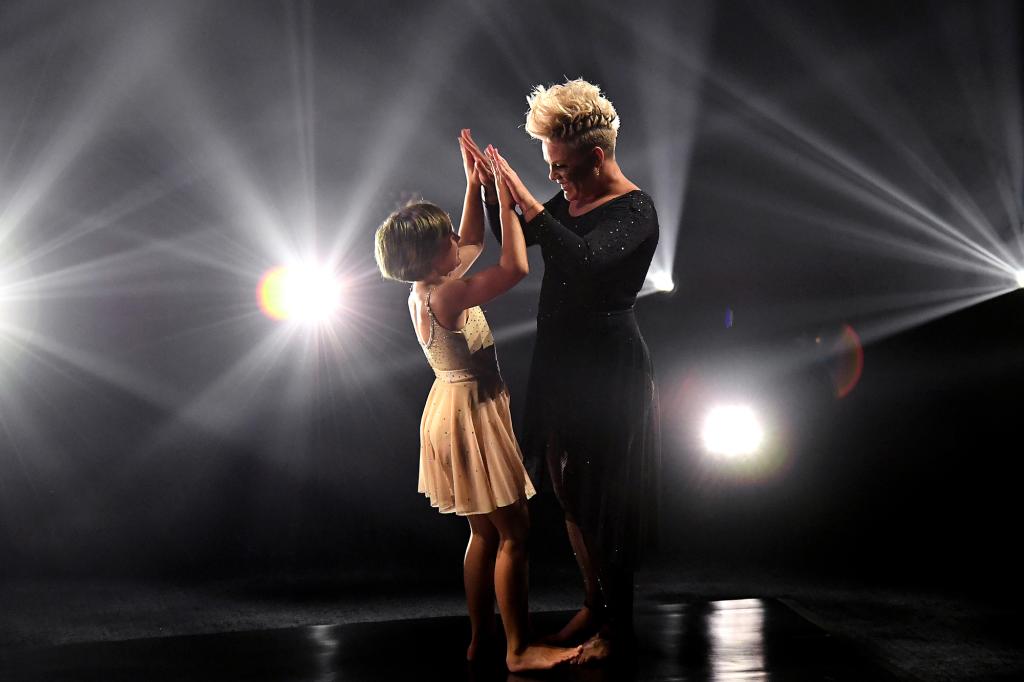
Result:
{"points": [[483, 649], [595, 650], [540, 657], [481, 645], [580, 627]]}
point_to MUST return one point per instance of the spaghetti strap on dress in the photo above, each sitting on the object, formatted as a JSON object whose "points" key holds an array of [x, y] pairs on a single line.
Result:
{"points": [[470, 461]]}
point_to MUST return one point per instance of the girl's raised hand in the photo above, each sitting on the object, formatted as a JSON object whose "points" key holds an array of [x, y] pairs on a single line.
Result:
{"points": [[482, 165], [505, 196], [469, 162]]}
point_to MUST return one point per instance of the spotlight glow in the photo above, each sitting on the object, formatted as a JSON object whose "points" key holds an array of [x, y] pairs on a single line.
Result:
{"points": [[732, 430], [662, 281], [3, 294], [9, 300], [1020, 279], [303, 293]]}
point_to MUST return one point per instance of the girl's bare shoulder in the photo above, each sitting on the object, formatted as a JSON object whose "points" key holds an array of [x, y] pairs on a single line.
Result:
{"points": [[444, 298]]}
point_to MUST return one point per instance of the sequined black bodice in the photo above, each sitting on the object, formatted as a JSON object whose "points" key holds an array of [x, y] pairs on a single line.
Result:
{"points": [[595, 262]]}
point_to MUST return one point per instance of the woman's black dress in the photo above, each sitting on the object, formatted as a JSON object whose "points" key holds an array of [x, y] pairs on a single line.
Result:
{"points": [[591, 392]]}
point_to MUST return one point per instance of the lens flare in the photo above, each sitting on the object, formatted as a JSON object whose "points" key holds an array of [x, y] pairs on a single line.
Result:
{"points": [[732, 431], [308, 294], [848, 365], [1020, 279]]}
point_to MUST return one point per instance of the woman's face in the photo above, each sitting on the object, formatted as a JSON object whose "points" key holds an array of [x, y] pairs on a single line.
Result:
{"points": [[571, 169], [447, 258]]}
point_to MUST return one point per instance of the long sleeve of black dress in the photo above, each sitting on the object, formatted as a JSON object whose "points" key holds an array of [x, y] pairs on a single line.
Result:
{"points": [[622, 230], [493, 214], [593, 262]]}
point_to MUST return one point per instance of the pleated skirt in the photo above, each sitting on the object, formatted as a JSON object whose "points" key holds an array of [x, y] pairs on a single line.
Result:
{"points": [[470, 461]]}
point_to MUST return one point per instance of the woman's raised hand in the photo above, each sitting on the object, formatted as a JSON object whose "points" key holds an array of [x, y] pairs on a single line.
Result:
{"points": [[520, 195]]}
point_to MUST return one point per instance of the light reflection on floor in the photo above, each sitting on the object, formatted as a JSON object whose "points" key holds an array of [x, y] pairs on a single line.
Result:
{"points": [[736, 637]]}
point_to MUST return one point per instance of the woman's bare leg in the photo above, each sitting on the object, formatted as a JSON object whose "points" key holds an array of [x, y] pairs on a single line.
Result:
{"points": [[478, 578], [511, 584], [588, 619]]}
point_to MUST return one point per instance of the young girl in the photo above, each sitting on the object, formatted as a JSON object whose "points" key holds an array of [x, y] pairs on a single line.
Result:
{"points": [[470, 462]]}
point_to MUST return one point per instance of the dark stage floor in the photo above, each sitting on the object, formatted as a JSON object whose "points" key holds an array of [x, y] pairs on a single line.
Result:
{"points": [[730, 639], [692, 625]]}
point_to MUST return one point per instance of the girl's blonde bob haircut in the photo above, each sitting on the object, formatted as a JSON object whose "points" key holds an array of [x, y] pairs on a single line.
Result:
{"points": [[574, 112], [407, 242]]}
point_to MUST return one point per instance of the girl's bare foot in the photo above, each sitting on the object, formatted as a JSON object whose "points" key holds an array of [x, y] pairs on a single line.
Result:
{"points": [[595, 650], [540, 657], [581, 626]]}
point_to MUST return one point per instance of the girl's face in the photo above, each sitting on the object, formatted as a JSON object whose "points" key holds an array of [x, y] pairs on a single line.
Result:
{"points": [[447, 258], [571, 169]]}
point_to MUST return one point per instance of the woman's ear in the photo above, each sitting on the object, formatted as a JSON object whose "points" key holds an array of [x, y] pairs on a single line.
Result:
{"points": [[597, 154]]}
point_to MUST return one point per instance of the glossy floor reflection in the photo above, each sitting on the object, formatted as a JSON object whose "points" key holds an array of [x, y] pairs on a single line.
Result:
{"points": [[749, 639]]}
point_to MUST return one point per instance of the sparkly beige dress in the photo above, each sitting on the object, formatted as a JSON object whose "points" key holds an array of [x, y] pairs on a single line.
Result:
{"points": [[470, 462]]}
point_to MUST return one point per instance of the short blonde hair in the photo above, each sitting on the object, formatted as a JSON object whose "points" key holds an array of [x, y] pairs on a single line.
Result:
{"points": [[408, 241], [576, 113]]}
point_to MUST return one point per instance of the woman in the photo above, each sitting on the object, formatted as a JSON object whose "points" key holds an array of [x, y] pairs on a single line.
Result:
{"points": [[591, 405]]}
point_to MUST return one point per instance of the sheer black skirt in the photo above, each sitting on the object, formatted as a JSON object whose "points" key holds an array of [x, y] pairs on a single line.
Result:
{"points": [[591, 420]]}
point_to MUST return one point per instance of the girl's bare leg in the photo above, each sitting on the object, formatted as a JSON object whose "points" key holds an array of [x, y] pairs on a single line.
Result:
{"points": [[478, 578], [511, 584]]}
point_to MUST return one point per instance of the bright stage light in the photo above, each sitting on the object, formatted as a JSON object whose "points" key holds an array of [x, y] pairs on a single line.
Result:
{"points": [[1020, 279], [300, 293], [662, 281], [732, 430]]}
